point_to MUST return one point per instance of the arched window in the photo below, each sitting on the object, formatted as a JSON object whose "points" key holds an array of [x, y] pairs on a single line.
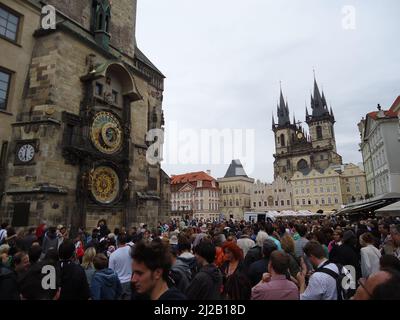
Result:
{"points": [[282, 140], [319, 133], [270, 201]]}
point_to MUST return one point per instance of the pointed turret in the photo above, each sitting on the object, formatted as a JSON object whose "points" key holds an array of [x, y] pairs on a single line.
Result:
{"points": [[273, 121], [283, 112], [318, 103]]}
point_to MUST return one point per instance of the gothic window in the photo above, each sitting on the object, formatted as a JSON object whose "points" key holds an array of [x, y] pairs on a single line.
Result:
{"points": [[282, 140], [319, 133], [101, 14]]}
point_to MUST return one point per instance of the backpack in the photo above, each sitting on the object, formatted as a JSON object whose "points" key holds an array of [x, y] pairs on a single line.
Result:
{"points": [[343, 276]]}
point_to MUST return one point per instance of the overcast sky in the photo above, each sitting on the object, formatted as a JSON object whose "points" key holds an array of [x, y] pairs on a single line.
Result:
{"points": [[223, 60]]}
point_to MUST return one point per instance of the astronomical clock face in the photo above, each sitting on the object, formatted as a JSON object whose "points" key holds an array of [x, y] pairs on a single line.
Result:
{"points": [[106, 132], [105, 185], [26, 153]]}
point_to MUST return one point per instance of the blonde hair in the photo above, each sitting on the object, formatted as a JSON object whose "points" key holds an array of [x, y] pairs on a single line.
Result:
{"points": [[4, 248], [87, 260], [287, 244]]}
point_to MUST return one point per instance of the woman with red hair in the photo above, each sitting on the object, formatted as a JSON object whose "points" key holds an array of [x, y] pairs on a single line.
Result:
{"points": [[236, 284]]}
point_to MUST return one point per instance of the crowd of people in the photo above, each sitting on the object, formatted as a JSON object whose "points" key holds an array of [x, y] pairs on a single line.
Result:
{"points": [[327, 258]]}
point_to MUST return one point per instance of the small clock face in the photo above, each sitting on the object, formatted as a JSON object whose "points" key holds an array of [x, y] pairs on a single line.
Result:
{"points": [[106, 132], [105, 185], [300, 135], [26, 153]]}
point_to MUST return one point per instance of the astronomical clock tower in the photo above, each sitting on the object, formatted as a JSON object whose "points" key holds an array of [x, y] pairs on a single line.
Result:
{"points": [[78, 148]]}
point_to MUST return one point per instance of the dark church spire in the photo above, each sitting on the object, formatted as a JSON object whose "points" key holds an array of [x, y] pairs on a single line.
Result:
{"points": [[283, 112], [318, 102]]}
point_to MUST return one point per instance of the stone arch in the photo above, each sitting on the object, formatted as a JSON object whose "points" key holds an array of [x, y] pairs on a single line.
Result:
{"points": [[117, 70]]}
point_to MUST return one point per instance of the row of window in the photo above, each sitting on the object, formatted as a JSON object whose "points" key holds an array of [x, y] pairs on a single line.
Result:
{"points": [[321, 190], [317, 201], [230, 190], [199, 205], [189, 195], [276, 191], [282, 203]]}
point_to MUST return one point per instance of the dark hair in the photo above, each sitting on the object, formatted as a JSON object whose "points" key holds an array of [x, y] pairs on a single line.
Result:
{"points": [[122, 238], [184, 244], [100, 261], [17, 259], [268, 247], [389, 261], [154, 255], [4, 225], [269, 228], [34, 253], [206, 250], [368, 238], [314, 248], [301, 229], [390, 289], [321, 237], [66, 250], [51, 255], [52, 230], [31, 230], [279, 261]]}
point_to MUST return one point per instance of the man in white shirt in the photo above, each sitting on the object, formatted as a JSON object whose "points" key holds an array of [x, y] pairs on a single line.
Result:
{"points": [[121, 263], [321, 286]]}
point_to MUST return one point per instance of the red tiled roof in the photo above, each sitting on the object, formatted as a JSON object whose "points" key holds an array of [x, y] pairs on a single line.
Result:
{"points": [[388, 114], [395, 104], [191, 177]]}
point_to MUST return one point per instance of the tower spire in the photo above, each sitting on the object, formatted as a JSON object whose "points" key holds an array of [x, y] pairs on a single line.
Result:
{"points": [[283, 111]]}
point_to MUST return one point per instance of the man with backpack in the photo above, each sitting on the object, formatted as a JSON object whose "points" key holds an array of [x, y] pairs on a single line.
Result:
{"points": [[207, 283], [326, 282]]}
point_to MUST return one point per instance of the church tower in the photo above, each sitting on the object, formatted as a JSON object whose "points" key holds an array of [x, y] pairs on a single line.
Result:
{"points": [[285, 133], [85, 99], [321, 127]]}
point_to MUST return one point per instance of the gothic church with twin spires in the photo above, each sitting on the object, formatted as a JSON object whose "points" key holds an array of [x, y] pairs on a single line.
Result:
{"points": [[298, 150]]}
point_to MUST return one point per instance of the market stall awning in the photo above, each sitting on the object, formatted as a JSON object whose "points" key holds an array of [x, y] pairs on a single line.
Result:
{"points": [[363, 207], [390, 210]]}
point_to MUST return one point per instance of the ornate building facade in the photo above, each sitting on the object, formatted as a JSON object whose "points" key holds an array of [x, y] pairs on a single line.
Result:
{"points": [[295, 149], [195, 195], [235, 191], [275, 196], [79, 102], [380, 144]]}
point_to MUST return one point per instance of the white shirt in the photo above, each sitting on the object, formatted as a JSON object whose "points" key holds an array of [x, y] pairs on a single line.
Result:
{"points": [[321, 286], [121, 263], [369, 260]]}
